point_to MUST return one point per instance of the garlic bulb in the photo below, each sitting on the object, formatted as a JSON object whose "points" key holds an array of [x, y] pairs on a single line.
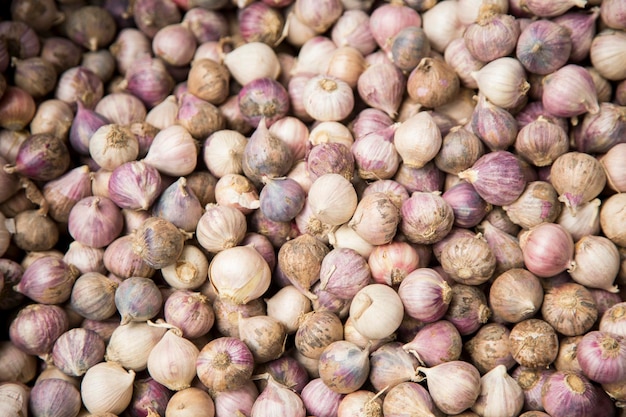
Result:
{"points": [[14, 399], [189, 271], [265, 60], [222, 152], [453, 386], [220, 227], [172, 361], [278, 400], [333, 199], [328, 98], [596, 263], [239, 273], [190, 402], [376, 218], [500, 395], [376, 311], [287, 305], [130, 345], [418, 140], [503, 82], [442, 25], [107, 388]]}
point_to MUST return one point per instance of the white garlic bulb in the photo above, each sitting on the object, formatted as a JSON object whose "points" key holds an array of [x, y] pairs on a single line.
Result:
{"points": [[107, 388], [172, 362]]}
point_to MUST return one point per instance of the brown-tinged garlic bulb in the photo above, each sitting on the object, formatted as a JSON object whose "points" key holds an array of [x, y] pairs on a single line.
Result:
{"points": [[433, 83], [300, 259], [158, 242], [578, 178]]}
